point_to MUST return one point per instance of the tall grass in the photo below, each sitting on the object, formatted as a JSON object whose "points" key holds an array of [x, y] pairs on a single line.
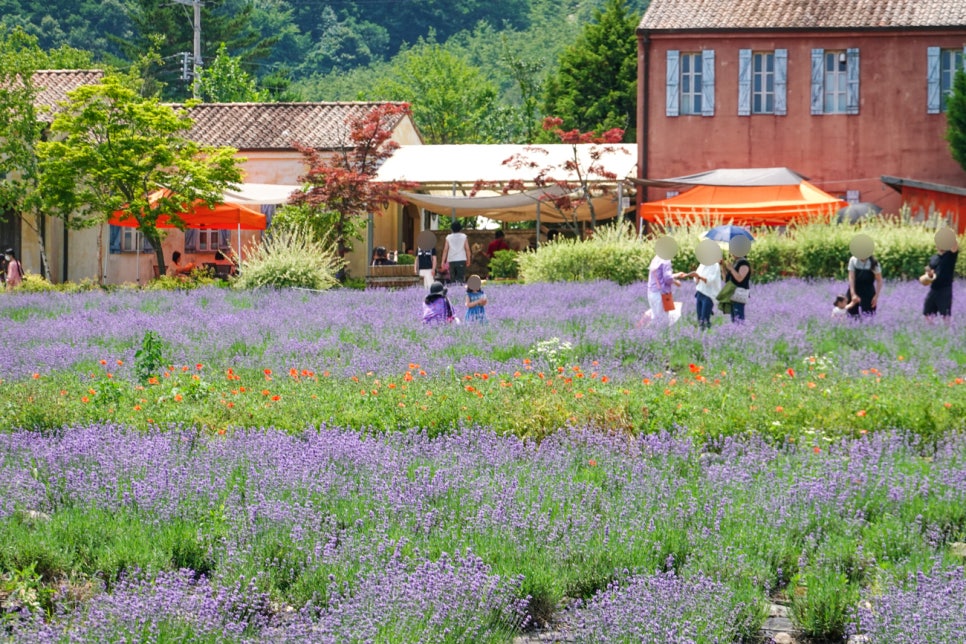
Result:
{"points": [[808, 249]]}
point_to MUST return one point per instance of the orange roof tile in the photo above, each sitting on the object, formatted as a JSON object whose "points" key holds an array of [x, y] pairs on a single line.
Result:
{"points": [[274, 126], [694, 15]]}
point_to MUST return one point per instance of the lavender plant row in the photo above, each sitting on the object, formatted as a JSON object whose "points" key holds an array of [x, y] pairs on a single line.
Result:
{"points": [[351, 332], [334, 535]]}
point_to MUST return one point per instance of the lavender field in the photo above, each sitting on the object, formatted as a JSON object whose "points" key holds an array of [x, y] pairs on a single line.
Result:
{"points": [[560, 467]]}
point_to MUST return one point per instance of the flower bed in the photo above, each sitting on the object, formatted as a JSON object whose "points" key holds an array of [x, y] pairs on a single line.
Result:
{"points": [[230, 475]]}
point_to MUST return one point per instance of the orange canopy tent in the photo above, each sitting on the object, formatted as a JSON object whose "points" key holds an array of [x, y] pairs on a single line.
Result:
{"points": [[748, 196], [223, 216]]}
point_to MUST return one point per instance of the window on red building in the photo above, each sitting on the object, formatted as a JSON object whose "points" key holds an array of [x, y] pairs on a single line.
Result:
{"points": [[835, 81]]}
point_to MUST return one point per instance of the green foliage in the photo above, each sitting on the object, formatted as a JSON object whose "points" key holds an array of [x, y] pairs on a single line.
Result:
{"points": [[821, 250], [822, 602], [290, 258], [224, 81], [21, 125], [451, 99], [113, 150], [198, 278], [318, 222], [405, 259], [33, 283], [345, 43], [149, 359], [956, 119], [504, 264], [595, 85], [614, 253], [232, 22]]}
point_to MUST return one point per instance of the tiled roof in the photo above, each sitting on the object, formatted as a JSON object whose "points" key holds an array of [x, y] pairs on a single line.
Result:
{"points": [[53, 84], [274, 126], [694, 15]]}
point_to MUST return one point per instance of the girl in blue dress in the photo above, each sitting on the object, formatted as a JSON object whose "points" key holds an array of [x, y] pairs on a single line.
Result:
{"points": [[475, 300]]}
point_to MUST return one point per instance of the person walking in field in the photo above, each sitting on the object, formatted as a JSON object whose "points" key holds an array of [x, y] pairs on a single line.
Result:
{"points": [[456, 253]]}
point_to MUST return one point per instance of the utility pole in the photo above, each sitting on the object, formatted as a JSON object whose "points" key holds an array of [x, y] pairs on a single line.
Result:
{"points": [[197, 43]]}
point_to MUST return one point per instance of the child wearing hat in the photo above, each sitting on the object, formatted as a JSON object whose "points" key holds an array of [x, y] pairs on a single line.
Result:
{"points": [[436, 306]]}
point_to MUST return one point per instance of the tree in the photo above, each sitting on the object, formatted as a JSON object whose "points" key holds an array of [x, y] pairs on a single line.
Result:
{"points": [[956, 119], [21, 127], [114, 150], [224, 81], [575, 175], [339, 187], [595, 86], [450, 97], [228, 21]]}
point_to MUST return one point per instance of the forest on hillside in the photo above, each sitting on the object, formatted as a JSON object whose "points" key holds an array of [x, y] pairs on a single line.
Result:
{"points": [[499, 63]]}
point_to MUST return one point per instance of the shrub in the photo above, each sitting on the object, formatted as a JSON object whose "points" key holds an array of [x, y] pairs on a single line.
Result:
{"points": [[504, 264], [805, 249], [406, 259], [33, 283], [197, 278], [290, 258], [614, 253]]}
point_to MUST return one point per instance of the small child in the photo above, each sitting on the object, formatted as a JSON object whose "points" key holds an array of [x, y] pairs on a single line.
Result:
{"points": [[842, 306], [436, 306], [475, 300]]}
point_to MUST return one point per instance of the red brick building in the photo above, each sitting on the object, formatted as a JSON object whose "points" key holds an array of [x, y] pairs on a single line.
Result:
{"points": [[841, 91]]}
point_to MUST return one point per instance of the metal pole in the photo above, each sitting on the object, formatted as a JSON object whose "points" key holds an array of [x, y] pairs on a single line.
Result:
{"points": [[196, 71], [197, 47], [538, 225], [620, 204]]}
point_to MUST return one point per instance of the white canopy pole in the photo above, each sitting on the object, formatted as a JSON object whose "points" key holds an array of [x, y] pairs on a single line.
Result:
{"points": [[239, 244]]}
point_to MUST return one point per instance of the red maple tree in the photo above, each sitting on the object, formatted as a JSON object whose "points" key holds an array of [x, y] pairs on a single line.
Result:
{"points": [[574, 176], [339, 185]]}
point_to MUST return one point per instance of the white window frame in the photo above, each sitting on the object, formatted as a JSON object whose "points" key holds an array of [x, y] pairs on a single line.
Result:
{"points": [[835, 91], [950, 61], [209, 240], [691, 83], [131, 239], [763, 82], [835, 77]]}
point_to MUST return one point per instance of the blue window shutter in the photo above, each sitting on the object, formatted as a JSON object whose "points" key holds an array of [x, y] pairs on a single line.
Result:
{"points": [[852, 81], [673, 81], [224, 238], [146, 244], [818, 80], [933, 101], [115, 244], [191, 240], [744, 82], [781, 82], [707, 82]]}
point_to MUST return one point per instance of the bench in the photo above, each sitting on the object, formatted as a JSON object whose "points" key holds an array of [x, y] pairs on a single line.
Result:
{"points": [[398, 276]]}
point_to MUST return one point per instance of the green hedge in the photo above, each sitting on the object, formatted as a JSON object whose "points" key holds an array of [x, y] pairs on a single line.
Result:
{"points": [[809, 251]]}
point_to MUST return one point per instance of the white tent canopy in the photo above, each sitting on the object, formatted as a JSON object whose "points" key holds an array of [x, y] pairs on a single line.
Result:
{"points": [[514, 207], [260, 194], [733, 177], [446, 166]]}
